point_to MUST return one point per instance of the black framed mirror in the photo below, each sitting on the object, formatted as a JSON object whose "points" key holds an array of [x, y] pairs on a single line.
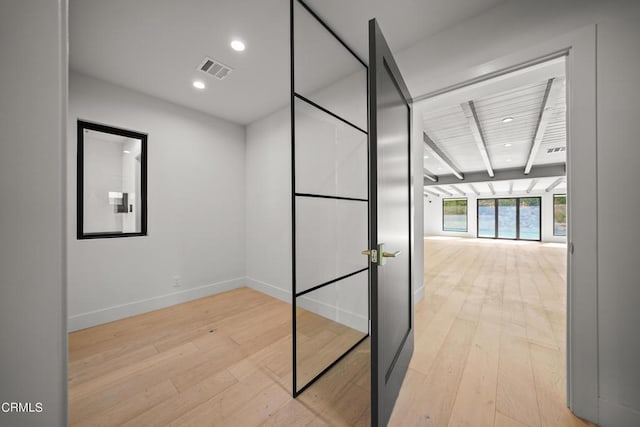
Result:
{"points": [[111, 182]]}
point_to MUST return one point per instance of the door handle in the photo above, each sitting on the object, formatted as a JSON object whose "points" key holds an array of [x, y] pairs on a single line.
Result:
{"points": [[378, 255], [395, 254]]}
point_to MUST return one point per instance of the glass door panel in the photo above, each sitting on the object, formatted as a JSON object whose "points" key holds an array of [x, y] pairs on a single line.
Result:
{"points": [[327, 73], [331, 156], [507, 218], [330, 200], [330, 235], [328, 323], [487, 218], [529, 218]]}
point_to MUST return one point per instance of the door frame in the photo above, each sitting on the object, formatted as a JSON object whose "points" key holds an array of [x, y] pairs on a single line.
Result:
{"points": [[579, 47]]}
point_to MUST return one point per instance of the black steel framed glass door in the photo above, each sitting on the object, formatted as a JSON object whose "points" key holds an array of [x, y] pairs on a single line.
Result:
{"points": [[512, 218], [390, 227], [507, 218], [529, 218], [330, 204], [487, 224]]}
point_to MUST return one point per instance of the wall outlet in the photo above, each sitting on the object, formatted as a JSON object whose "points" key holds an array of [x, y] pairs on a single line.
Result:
{"points": [[177, 282]]}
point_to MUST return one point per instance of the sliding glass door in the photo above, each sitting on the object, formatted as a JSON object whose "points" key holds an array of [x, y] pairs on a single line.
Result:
{"points": [[530, 218], [510, 218], [487, 218], [507, 218]]}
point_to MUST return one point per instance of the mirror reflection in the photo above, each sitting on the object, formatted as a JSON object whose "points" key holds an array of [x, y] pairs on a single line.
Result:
{"points": [[111, 168]]}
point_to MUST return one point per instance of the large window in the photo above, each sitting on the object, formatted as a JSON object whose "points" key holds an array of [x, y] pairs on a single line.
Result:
{"points": [[559, 214], [510, 218], [454, 215]]}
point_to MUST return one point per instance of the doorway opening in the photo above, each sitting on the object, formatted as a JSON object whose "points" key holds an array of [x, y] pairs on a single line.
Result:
{"points": [[493, 319]]}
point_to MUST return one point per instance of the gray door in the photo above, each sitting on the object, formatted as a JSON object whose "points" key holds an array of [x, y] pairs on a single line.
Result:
{"points": [[390, 227]]}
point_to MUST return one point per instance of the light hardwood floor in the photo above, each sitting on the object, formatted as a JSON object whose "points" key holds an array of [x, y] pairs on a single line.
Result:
{"points": [[489, 350], [490, 337]]}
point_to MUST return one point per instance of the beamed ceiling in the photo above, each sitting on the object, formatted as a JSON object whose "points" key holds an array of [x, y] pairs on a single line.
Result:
{"points": [[515, 124]]}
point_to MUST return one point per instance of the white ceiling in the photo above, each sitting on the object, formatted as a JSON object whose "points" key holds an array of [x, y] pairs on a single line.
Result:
{"points": [[154, 46], [403, 22], [519, 96]]}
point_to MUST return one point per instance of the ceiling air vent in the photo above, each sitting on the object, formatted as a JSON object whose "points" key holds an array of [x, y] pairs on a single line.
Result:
{"points": [[556, 150], [214, 68]]}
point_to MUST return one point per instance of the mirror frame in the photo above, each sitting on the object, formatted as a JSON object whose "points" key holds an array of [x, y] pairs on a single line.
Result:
{"points": [[82, 125]]}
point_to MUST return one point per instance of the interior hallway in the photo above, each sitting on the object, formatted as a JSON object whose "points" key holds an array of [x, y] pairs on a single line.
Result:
{"points": [[489, 350]]}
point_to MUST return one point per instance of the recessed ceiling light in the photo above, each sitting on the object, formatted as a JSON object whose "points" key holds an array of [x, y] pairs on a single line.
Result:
{"points": [[508, 160], [237, 45], [508, 144], [127, 152], [426, 157], [439, 169], [507, 120], [199, 84]]}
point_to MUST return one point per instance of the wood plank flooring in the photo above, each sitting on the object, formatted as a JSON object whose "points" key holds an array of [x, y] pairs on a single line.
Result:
{"points": [[490, 337], [489, 351]]}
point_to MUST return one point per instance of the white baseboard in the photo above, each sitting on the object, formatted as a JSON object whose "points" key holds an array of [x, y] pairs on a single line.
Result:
{"points": [[353, 320], [266, 288], [614, 415], [109, 314]]}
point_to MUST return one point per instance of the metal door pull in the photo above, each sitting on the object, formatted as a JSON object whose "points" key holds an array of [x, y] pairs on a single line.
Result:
{"points": [[391, 254]]}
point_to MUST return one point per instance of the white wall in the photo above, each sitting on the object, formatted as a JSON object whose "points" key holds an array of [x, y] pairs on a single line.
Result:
{"points": [[457, 53], [268, 227], [32, 273], [268, 205], [433, 215], [196, 206]]}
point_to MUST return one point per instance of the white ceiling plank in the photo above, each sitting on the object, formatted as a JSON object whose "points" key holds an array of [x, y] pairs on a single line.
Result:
{"points": [[555, 184], [532, 185], [433, 193], [474, 124], [457, 190], [473, 188], [431, 177], [493, 191], [546, 113], [503, 82], [510, 187], [438, 154], [443, 191]]}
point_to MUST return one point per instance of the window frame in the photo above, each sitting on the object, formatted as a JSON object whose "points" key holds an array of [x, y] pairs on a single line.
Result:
{"points": [[495, 206], [81, 127], [554, 214], [466, 216]]}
